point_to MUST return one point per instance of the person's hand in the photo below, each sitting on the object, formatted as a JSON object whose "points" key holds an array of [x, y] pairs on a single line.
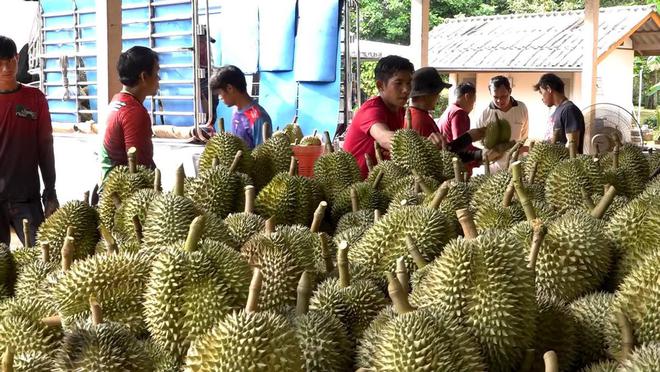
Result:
{"points": [[438, 139], [477, 133], [51, 206], [492, 155]]}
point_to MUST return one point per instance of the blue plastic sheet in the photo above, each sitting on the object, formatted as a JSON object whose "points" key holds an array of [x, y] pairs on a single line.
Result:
{"points": [[277, 26], [277, 94], [240, 34], [317, 39]]}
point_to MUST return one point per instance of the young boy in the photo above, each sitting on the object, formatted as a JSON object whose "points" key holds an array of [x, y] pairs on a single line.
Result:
{"points": [[380, 116], [248, 118], [426, 87]]}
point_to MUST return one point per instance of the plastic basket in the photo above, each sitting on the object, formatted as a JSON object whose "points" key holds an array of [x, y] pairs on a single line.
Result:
{"points": [[306, 156]]}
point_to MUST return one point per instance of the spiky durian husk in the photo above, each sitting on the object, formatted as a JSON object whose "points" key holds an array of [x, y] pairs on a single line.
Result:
{"points": [[117, 280], [162, 360], [31, 281], [242, 226], [408, 183], [24, 255], [292, 131], [638, 299], [361, 218], [169, 218], [594, 171], [136, 205], [84, 220], [391, 173], [564, 185], [475, 182], [218, 191], [271, 158], [485, 284], [385, 241], [631, 157], [105, 347], [224, 147], [458, 197], [21, 328], [290, 199], [406, 198], [604, 366], [33, 362], [597, 331], [307, 245], [310, 141], [635, 231], [654, 162], [555, 330], [652, 189], [188, 291], [495, 216], [261, 341], [414, 152], [335, 172], [368, 198], [355, 306], [624, 180], [324, 342], [644, 358], [491, 190], [7, 271], [423, 340], [546, 156], [351, 235], [124, 184]]}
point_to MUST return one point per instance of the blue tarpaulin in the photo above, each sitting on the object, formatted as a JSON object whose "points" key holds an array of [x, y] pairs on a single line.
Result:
{"points": [[317, 38], [240, 34], [277, 26], [277, 94]]}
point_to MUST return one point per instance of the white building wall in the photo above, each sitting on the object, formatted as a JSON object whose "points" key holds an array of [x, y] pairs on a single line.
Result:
{"points": [[18, 20], [615, 79]]}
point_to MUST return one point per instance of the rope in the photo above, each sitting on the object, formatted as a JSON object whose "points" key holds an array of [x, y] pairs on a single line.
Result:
{"points": [[64, 69]]}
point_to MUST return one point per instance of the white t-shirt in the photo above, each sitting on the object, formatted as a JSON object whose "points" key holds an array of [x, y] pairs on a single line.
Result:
{"points": [[517, 116]]}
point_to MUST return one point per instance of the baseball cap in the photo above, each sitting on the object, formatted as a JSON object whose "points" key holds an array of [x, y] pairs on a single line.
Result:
{"points": [[427, 81]]}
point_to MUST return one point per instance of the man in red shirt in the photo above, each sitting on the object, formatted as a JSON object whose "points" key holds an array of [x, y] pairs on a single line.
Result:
{"points": [[129, 123], [26, 146], [426, 87]]}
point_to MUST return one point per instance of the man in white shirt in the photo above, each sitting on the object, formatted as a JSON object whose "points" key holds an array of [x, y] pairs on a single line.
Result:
{"points": [[505, 107]]}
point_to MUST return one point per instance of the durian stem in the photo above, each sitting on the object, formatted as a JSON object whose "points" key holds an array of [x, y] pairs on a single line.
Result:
{"points": [[627, 339], [467, 223], [377, 180], [604, 203], [325, 253], [270, 225], [532, 174], [466, 177], [539, 231], [54, 321], [408, 118], [221, 125], [379, 154], [215, 162], [328, 141], [572, 144], [236, 161], [355, 202], [116, 201], [86, 197], [416, 187], [524, 199], [342, 265], [67, 253], [26, 233], [586, 198], [508, 195], [157, 182], [377, 215], [250, 195], [515, 150], [194, 233], [252, 304], [528, 362], [402, 274], [551, 363], [418, 179], [615, 156], [416, 255], [292, 167], [304, 291], [265, 131], [368, 162], [531, 145], [137, 226], [97, 312], [318, 217], [440, 195], [179, 180], [45, 252], [8, 360], [132, 163], [397, 295], [70, 230], [458, 172], [110, 243], [486, 162]]}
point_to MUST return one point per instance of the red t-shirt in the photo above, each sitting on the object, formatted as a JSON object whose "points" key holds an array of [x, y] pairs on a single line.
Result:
{"points": [[454, 122], [358, 141], [129, 125], [26, 145], [422, 122]]}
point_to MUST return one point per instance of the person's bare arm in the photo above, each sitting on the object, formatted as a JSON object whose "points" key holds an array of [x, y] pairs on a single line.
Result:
{"points": [[382, 134]]}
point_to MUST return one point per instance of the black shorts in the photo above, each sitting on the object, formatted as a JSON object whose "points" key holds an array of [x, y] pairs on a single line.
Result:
{"points": [[12, 215]]}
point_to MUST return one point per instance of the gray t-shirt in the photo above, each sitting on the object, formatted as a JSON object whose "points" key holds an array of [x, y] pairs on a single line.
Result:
{"points": [[568, 118]]}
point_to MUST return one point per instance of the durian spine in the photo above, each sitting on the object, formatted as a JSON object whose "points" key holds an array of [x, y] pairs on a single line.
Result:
{"points": [[342, 265], [194, 233], [250, 195], [398, 296], [318, 217], [304, 292], [179, 180], [627, 338], [26, 233], [252, 304], [524, 199], [416, 255], [467, 223], [551, 363], [604, 203], [402, 274]]}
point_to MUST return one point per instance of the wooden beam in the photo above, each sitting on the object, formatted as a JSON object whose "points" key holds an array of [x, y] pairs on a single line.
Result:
{"points": [[108, 49], [651, 16], [419, 32], [589, 61]]}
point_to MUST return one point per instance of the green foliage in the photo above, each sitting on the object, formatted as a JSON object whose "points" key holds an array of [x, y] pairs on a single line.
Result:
{"points": [[368, 79]]}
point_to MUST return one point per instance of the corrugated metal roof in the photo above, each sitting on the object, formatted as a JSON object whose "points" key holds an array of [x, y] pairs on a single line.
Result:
{"points": [[533, 42]]}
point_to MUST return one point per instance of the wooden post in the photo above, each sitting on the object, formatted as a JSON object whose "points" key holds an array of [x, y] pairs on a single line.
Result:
{"points": [[419, 32], [589, 62], [108, 49]]}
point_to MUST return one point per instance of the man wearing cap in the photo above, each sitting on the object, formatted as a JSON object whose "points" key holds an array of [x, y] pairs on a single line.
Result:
{"points": [[426, 87]]}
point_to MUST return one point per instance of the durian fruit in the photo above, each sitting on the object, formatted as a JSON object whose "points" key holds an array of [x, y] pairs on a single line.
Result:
{"points": [[555, 330], [404, 338], [292, 131], [632, 157], [596, 328], [360, 218], [336, 171], [603, 366], [191, 285], [385, 241], [484, 283], [23, 256], [391, 173], [564, 185], [408, 183], [654, 162], [26, 362], [644, 358], [121, 182], [248, 340], [322, 337], [412, 151], [358, 196], [102, 346], [635, 231], [223, 147], [31, 280], [544, 157], [497, 131], [7, 272], [162, 360], [355, 302], [218, 189], [270, 158], [74, 218], [242, 226], [310, 141], [22, 330], [491, 191], [135, 206]]}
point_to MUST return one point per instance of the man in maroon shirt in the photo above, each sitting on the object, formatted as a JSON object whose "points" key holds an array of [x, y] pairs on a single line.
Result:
{"points": [[129, 124], [26, 146], [426, 87], [455, 121]]}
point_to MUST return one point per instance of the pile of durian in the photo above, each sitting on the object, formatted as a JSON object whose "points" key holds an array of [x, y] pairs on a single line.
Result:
{"points": [[553, 265]]}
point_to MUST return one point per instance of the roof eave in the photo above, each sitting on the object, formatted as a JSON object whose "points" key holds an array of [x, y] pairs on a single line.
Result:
{"points": [[508, 69]]}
